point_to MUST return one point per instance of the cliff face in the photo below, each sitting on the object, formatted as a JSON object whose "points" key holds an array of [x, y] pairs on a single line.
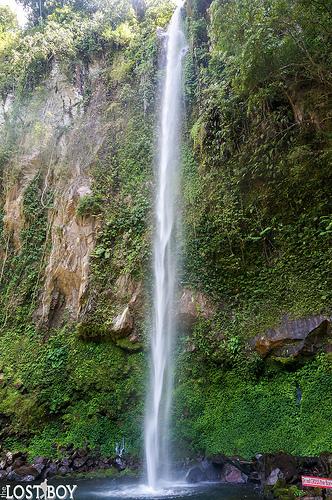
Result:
{"points": [[58, 142], [76, 188]]}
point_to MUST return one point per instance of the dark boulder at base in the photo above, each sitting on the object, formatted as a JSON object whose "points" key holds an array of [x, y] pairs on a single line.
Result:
{"points": [[267, 466], [79, 462], [51, 470], [275, 475], [120, 463], [40, 460], [219, 470], [63, 469], [233, 475], [195, 475], [211, 471], [26, 470]]}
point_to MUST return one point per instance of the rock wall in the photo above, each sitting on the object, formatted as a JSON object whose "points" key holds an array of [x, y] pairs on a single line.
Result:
{"points": [[60, 134]]}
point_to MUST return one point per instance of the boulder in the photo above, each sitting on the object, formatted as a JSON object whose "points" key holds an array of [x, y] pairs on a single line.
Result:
{"points": [[297, 337], [231, 474], [39, 467], [270, 465], [51, 470], [211, 471], [123, 324], [66, 462], [120, 463], [40, 460], [195, 475], [12, 476], [193, 305], [3, 474], [26, 470], [275, 475], [18, 462], [27, 479], [64, 469], [79, 462]]}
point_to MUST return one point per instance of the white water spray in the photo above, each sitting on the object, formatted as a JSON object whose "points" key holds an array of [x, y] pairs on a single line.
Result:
{"points": [[165, 262]]}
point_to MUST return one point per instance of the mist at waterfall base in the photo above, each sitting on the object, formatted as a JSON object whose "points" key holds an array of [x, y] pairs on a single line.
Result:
{"points": [[94, 489]]}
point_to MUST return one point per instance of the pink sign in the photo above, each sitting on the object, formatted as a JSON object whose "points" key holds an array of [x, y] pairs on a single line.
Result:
{"points": [[316, 482]]}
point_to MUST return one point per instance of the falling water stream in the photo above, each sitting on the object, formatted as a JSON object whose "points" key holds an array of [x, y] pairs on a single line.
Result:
{"points": [[165, 261], [159, 483]]}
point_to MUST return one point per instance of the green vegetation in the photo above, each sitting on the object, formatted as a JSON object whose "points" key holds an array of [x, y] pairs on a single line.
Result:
{"points": [[257, 224], [90, 409], [239, 411], [257, 178], [61, 386]]}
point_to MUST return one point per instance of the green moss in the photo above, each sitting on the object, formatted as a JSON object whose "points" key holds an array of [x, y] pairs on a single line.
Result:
{"points": [[70, 392], [92, 330], [129, 346], [229, 412], [89, 205]]}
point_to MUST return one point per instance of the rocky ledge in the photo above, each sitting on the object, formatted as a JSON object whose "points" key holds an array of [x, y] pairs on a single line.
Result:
{"points": [[276, 475], [15, 466]]}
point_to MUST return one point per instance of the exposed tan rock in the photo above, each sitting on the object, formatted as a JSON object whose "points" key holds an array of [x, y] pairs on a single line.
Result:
{"points": [[59, 139], [292, 338], [127, 289], [13, 219], [123, 324], [192, 305], [67, 272], [131, 292]]}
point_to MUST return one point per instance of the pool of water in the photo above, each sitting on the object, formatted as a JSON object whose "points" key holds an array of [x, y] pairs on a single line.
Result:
{"points": [[114, 490]]}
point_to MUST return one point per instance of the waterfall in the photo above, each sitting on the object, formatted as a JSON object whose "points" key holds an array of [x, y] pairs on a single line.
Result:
{"points": [[165, 260]]}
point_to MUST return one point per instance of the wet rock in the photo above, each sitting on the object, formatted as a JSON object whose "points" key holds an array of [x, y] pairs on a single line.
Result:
{"points": [[26, 470], [3, 474], [40, 460], [231, 474], [40, 464], [90, 463], [18, 462], [284, 463], [66, 462], [79, 462], [40, 468], [27, 479], [13, 476], [275, 475], [64, 469], [294, 338], [211, 471], [120, 463], [195, 475], [193, 305], [52, 470], [123, 324]]}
